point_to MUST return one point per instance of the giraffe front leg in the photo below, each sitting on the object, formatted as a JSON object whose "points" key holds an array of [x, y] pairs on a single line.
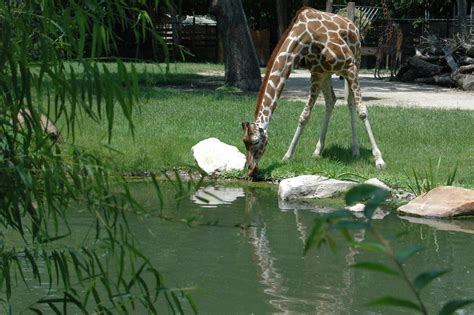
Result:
{"points": [[329, 100], [355, 139], [304, 118]]}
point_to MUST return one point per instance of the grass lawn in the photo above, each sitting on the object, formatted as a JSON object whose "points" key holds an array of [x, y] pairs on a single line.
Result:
{"points": [[169, 121]]}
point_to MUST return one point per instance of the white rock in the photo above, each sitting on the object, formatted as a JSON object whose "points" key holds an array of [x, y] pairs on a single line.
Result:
{"points": [[378, 183], [312, 186], [211, 197], [358, 207], [214, 156]]}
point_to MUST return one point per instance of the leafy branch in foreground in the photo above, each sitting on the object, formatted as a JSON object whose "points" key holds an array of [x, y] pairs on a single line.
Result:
{"points": [[43, 183], [343, 221]]}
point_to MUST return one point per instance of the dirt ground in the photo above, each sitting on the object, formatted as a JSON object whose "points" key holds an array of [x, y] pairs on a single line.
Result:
{"points": [[386, 93]]}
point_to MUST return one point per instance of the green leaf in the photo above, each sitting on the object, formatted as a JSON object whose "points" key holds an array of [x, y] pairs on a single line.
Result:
{"points": [[350, 225], [338, 214], [423, 279], [313, 235], [453, 305], [375, 267], [374, 194], [364, 191], [369, 246], [393, 301], [403, 254]]}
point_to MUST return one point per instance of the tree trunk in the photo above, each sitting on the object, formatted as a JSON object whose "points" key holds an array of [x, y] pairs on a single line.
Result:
{"points": [[241, 62], [175, 31], [282, 16], [329, 6]]}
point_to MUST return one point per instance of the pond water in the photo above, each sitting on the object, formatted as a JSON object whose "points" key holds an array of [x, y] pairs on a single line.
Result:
{"points": [[243, 254], [249, 260]]}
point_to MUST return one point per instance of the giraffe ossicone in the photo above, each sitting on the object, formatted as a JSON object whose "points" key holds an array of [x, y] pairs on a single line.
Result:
{"points": [[330, 44]]}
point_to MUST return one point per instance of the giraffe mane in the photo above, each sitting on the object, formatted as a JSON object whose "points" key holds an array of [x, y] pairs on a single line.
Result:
{"points": [[270, 62]]}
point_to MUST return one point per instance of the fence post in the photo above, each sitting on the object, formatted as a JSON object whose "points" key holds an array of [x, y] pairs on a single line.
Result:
{"points": [[350, 16], [329, 6]]}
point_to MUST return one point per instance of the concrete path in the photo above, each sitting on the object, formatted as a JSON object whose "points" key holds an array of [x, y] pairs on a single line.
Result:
{"points": [[385, 93]]}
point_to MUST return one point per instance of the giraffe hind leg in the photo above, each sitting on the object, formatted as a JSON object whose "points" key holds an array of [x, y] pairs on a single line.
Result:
{"points": [[353, 82]]}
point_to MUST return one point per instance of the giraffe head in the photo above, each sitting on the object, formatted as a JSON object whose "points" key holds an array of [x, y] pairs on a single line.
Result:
{"points": [[255, 140]]}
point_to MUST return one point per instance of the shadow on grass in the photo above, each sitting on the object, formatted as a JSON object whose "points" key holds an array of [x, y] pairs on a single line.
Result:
{"points": [[344, 154], [265, 173]]}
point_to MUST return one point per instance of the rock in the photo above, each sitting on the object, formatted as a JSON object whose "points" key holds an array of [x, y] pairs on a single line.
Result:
{"points": [[312, 186], [25, 117], [442, 202], [213, 156], [358, 207], [378, 183], [211, 196], [404, 195], [465, 81]]}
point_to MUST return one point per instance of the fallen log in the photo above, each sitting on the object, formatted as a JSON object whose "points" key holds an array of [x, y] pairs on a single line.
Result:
{"points": [[465, 60], [466, 69], [448, 53], [464, 81], [442, 79], [423, 68]]}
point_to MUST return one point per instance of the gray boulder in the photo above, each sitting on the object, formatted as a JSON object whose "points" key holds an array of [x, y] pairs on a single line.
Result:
{"points": [[312, 186], [214, 156], [442, 202]]}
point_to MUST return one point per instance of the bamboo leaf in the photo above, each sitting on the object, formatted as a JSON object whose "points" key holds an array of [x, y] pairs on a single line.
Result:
{"points": [[375, 267], [423, 279], [404, 254], [453, 305], [393, 301], [369, 246]]}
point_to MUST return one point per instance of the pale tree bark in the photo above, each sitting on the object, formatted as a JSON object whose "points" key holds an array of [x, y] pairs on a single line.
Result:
{"points": [[241, 62], [282, 16], [329, 6]]}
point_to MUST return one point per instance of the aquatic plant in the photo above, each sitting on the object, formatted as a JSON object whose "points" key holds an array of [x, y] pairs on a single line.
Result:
{"points": [[342, 221], [429, 179]]}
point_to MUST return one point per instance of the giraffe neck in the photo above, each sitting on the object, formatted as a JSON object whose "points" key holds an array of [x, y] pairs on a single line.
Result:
{"points": [[278, 70], [388, 33]]}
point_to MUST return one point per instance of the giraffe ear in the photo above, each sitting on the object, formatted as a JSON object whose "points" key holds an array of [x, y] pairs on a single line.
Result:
{"points": [[245, 128]]}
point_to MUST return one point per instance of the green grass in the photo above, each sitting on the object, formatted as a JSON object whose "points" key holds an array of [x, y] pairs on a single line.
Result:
{"points": [[170, 121]]}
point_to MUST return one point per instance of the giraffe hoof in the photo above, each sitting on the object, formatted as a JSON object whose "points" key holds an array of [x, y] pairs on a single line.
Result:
{"points": [[286, 157], [355, 152], [380, 164], [316, 155]]}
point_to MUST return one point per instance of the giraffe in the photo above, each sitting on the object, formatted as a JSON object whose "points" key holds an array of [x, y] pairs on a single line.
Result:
{"points": [[389, 44], [330, 44]]}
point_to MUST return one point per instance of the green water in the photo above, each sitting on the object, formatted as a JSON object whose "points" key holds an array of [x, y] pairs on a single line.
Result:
{"points": [[242, 254], [261, 269]]}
